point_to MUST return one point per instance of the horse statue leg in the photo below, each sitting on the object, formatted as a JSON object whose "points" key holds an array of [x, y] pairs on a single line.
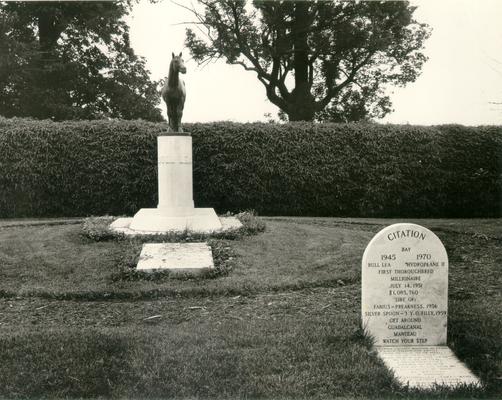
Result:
{"points": [[179, 115], [171, 115], [181, 105]]}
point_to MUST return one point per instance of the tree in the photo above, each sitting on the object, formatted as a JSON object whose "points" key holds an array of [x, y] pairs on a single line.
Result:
{"points": [[72, 60], [341, 54]]}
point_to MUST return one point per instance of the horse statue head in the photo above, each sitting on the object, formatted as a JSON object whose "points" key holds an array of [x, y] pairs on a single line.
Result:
{"points": [[178, 64], [174, 93]]}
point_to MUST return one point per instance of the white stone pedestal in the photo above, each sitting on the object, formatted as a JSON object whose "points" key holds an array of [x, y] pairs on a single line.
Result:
{"points": [[175, 211]]}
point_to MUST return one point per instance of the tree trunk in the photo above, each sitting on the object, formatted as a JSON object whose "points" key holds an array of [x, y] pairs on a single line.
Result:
{"points": [[48, 79], [301, 102], [49, 31], [301, 109]]}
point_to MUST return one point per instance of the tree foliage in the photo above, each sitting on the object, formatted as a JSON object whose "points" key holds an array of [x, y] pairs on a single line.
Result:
{"points": [[325, 60], [72, 60]]}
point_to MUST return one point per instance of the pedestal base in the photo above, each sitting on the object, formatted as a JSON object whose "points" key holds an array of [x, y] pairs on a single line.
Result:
{"points": [[201, 220], [122, 226]]}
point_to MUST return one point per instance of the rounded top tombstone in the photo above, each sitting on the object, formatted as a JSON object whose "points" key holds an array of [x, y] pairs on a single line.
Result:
{"points": [[404, 298]]}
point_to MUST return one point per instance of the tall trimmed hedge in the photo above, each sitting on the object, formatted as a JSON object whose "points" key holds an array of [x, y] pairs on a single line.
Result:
{"points": [[109, 167]]}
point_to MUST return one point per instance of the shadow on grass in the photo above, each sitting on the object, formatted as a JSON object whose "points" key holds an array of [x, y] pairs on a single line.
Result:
{"points": [[477, 341], [295, 358], [285, 346], [63, 364]]}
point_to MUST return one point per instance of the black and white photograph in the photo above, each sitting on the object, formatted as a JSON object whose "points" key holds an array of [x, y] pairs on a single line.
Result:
{"points": [[251, 199]]}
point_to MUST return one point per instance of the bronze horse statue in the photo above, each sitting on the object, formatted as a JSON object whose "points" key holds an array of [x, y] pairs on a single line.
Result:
{"points": [[174, 93]]}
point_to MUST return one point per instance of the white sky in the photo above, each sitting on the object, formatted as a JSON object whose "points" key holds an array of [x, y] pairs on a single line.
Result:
{"points": [[458, 82]]}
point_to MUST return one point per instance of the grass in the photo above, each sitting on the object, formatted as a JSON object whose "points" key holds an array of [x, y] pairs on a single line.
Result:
{"points": [[56, 261], [283, 322], [280, 345]]}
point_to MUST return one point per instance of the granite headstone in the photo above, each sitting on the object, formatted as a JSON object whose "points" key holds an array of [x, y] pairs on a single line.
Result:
{"points": [[405, 287], [404, 307]]}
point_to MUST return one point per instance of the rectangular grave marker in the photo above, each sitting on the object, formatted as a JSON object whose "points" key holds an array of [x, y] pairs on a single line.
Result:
{"points": [[423, 366], [185, 258], [404, 306]]}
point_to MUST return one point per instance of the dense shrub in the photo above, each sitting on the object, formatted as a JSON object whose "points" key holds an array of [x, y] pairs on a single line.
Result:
{"points": [[76, 168], [109, 167]]}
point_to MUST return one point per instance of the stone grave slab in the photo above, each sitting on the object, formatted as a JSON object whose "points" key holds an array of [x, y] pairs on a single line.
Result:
{"points": [[426, 366], [404, 306], [185, 258]]}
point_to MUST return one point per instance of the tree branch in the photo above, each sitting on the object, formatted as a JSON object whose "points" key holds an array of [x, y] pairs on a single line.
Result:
{"points": [[244, 48], [334, 90], [246, 67], [272, 95]]}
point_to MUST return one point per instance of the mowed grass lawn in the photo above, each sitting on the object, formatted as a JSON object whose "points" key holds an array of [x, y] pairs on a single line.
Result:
{"points": [[283, 323]]}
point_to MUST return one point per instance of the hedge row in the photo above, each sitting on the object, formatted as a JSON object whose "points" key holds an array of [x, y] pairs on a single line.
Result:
{"points": [[109, 167]]}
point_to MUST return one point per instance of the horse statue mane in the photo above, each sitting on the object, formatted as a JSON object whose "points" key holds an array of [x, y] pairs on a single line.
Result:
{"points": [[174, 93]]}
